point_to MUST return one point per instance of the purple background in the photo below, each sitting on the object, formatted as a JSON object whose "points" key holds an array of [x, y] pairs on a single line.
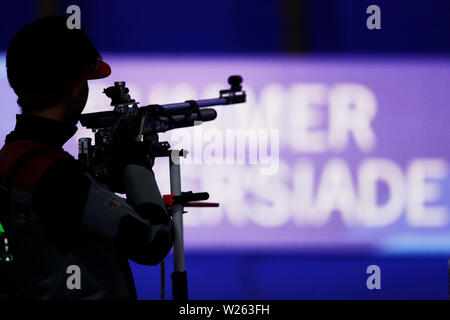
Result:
{"points": [[411, 122]]}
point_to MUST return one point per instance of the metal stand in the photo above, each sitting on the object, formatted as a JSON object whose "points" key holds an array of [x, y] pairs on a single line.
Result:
{"points": [[179, 275]]}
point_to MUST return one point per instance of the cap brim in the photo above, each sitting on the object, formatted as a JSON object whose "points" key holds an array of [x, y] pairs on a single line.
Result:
{"points": [[103, 71]]}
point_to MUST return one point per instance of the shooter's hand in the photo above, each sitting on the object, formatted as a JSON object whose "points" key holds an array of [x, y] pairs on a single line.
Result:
{"points": [[126, 150]]}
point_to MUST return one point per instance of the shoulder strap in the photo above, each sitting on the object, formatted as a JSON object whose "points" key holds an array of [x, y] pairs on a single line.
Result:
{"points": [[8, 179], [27, 173]]}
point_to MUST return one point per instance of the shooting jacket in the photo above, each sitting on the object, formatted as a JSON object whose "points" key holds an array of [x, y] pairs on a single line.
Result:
{"points": [[71, 237]]}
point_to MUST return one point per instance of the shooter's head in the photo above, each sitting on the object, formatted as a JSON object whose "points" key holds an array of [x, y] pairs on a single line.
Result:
{"points": [[48, 66]]}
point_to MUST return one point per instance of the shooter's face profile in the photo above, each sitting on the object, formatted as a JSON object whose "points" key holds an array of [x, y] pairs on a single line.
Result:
{"points": [[77, 102], [83, 96]]}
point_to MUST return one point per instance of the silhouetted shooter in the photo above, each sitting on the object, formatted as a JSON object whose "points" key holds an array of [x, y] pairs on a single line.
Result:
{"points": [[70, 236]]}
